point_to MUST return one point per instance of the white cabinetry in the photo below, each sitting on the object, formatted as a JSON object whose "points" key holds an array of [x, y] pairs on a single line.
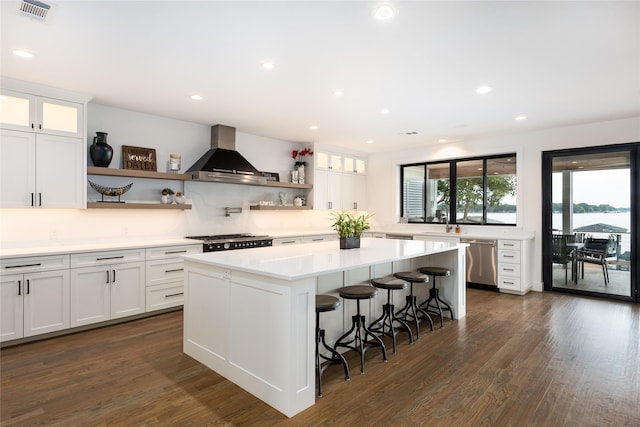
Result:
{"points": [[42, 148], [107, 285], [41, 171], [340, 182], [34, 296], [513, 267], [165, 275], [26, 112]]}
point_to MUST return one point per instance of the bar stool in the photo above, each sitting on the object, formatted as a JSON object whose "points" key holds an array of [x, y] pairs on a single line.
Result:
{"points": [[433, 293], [326, 303], [413, 277], [388, 315], [359, 342]]}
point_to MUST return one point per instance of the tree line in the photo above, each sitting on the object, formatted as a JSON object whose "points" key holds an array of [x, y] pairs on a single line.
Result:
{"points": [[587, 208]]}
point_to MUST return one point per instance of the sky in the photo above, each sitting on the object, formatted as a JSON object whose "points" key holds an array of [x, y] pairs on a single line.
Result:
{"points": [[612, 186]]}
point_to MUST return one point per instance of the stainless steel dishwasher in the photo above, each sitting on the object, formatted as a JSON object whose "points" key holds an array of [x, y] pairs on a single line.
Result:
{"points": [[482, 261]]}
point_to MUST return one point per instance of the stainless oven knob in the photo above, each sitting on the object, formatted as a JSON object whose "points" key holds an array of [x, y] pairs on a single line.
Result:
{"points": [[227, 245]]}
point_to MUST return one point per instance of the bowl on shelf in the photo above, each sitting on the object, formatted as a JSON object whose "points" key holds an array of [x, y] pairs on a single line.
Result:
{"points": [[110, 191]]}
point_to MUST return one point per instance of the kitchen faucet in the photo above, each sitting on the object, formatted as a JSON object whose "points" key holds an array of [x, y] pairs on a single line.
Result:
{"points": [[447, 227]]}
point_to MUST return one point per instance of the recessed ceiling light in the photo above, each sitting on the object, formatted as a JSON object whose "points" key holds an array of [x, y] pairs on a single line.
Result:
{"points": [[483, 89], [574, 162], [267, 65], [313, 127], [369, 141], [442, 140], [197, 97], [521, 118], [338, 92], [580, 167], [384, 12], [384, 111], [22, 53]]}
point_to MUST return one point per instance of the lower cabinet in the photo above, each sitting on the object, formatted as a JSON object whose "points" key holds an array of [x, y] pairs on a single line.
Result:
{"points": [[34, 303], [112, 288], [165, 275], [514, 274]]}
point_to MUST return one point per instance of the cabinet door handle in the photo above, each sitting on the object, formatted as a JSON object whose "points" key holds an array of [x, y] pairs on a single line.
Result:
{"points": [[107, 276], [19, 287], [23, 265], [330, 205], [28, 287], [39, 199], [174, 270], [175, 252], [110, 257], [174, 295], [40, 126], [355, 205], [33, 126], [33, 200], [114, 276]]}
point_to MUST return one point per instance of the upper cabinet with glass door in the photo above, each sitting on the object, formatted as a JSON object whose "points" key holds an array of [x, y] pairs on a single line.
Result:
{"points": [[328, 161], [355, 164], [20, 111]]}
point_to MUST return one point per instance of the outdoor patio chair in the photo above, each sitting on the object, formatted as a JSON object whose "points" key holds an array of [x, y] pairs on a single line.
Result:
{"points": [[596, 251], [561, 254]]}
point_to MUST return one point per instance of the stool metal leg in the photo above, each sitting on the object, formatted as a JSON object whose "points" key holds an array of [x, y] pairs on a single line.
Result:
{"points": [[335, 356], [359, 342], [436, 309], [387, 319], [412, 306]]}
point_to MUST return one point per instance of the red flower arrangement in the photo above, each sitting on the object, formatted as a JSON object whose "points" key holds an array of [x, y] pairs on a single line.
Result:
{"points": [[298, 155]]}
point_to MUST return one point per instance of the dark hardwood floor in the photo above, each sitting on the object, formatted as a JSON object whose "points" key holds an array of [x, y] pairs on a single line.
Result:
{"points": [[544, 359]]}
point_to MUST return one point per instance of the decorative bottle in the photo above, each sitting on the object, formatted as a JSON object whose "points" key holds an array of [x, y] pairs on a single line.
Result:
{"points": [[101, 153]]}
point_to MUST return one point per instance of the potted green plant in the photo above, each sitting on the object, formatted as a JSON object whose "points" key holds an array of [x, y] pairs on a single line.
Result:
{"points": [[166, 196], [350, 228]]}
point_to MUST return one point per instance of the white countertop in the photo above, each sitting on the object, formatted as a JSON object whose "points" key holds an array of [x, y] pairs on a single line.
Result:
{"points": [[301, 261], [51, 247]]}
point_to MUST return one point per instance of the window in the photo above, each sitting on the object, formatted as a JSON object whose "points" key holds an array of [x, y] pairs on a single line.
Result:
{"points": [[483, 192]]}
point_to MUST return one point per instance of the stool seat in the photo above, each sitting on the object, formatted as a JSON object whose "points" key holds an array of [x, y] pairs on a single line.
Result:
{"points": [[326, 303], [412, 276], [358, 292], [435, 271], [389, 283]]}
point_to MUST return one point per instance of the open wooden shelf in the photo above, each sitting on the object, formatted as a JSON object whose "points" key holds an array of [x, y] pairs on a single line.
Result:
{"points": [[280, 208], [128, 205], [132, 173], [287, 185]]}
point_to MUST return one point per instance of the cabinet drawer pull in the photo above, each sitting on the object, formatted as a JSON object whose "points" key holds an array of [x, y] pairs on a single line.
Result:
{"points": [[174, 270], [19, 287], [175, 252], [317, 240], [288, 242], [110, 257], [508, 256], [174, 295], [23, 265], [508, 269], [509, 283], [508, 244]]}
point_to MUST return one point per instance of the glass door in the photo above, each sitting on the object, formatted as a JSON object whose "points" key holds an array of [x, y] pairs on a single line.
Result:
{"points": [[589, 202]]}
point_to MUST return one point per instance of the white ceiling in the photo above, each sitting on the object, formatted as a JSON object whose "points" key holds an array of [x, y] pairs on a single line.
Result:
{"points": [[558, 63]]}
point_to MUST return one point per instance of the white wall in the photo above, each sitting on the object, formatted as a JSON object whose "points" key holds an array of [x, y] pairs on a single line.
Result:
{"points": [[384, 183]]}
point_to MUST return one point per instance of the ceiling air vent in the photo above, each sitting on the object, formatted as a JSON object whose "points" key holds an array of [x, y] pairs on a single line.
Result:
{"points": [[34, 9]]}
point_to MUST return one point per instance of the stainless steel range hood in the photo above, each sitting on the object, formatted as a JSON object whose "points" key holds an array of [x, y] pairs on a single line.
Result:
{"points": [[222, 163]]}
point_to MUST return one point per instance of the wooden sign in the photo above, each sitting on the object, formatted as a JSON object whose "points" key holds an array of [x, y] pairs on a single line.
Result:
{"points": [[139, 158]]}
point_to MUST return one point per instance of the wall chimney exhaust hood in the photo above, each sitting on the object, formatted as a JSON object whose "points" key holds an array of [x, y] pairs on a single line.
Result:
{"points": [[222, 163]]}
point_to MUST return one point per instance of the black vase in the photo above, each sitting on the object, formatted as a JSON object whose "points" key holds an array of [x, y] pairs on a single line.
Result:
{"points": [[101, 153]]}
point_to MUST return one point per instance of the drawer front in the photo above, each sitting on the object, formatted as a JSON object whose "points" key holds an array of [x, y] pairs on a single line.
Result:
{"points": [[511, 270], [512, 283], [165, 252], [510, 257], [165, 270], [164, 296], [510, 245], [33, 264], [88, 259]]}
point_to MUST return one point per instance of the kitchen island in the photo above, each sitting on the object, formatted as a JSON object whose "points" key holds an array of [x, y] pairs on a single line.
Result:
{"points": [[249, 315]]}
